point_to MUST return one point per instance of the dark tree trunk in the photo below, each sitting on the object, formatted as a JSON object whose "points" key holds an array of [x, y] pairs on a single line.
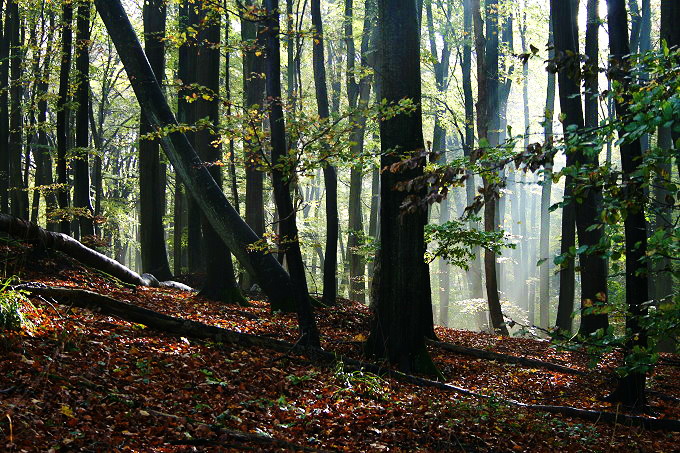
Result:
{"points": [[18, 194], [81, 166], [593, 266], [44, 175], [4, 109], [188, 19], [151, 184], [281, 181], [178, 228], [402, 305], [475, 272], [220, 282], [330, 289], [63, 114], [358, 94], [487, 119], [546, 195], [253, 89], [631, 389]]}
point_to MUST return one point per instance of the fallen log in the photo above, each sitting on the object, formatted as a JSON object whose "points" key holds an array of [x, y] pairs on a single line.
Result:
{"points": [[177, 326], [505, 358], [27, 231]]}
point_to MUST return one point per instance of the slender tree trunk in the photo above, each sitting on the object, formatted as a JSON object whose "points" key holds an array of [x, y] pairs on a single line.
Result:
{"points": [[487, 109], [63, 114], [5, 27], [44, 176], [631, 388], [281, 181], [330, 286], [593, 266], [81, 166], [186, 113], [220, 281], [253, 89], [18, 194], [546, 197], [358, 94], [151, 189], [475, 272]]}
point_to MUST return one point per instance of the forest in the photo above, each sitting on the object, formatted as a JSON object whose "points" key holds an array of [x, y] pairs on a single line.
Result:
{"points": [[339, 225]]}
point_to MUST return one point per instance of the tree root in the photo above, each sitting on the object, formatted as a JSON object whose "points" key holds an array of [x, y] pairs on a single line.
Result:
{"points": [[111, 307], [506, 358]]}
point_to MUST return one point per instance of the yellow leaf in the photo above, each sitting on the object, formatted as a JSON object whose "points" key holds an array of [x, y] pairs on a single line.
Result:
{"points": [[360, 337], [67, 411]]}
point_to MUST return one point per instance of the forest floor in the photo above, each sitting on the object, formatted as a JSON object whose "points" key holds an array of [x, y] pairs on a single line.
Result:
{"points": [[79, 381]]}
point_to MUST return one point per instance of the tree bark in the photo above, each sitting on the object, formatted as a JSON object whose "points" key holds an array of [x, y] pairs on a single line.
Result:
{"points": [[63, 114], [18, 194], [282, 181], [403, 307], [330, 289], [487, 107], [546, 196], [253, 89], [4, 109], [220, 281], [631, 388], [151, 187], [81, 196]]}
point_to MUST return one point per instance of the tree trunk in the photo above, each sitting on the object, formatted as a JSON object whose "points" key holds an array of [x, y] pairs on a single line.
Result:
{"points": [[631, 388], [44, 176], [403, 304], [593, 266], [281, 181], [330, 289], [186, 114], [63, 114], [4, 109], [546, 197], [253, 89], [18, 194], [81, 166], [475, 272], [151, 189], [220, 281], [358, 94], [487, 109]]}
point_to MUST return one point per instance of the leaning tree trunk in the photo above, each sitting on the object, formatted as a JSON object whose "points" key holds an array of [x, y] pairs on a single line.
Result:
{"points": [[235, 233], [151, 187], [330, 285]]}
